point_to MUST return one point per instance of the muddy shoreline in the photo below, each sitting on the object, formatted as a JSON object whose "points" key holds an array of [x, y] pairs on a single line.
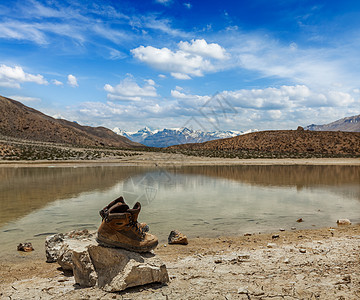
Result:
{"points": [[166, 159], [304, 264]]}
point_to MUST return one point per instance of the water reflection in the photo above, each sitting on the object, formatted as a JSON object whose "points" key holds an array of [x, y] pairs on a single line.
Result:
{"points": [[204, 201], [23, 190]]}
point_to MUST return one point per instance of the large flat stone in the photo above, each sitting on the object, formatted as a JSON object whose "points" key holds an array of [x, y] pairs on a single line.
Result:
{"points": [[112, 269]]}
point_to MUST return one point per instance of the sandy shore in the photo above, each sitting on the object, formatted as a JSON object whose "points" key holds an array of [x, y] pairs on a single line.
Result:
{"points": [[166, 159], [307, 264]]}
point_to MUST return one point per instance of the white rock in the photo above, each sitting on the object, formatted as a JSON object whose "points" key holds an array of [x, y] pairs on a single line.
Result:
{"points": [[69, 246], [117, 269], [343, 222], [54, 243], [112, 269]]}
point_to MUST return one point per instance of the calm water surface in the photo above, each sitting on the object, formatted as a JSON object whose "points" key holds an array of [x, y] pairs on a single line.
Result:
{"points": [[199, 201]]}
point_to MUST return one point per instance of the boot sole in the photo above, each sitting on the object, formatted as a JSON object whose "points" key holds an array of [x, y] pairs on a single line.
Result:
{"points": [[113, 244]]}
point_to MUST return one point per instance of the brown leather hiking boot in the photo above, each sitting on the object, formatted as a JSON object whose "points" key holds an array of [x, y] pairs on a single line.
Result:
{"points": [[135, 211], [119, 228]]}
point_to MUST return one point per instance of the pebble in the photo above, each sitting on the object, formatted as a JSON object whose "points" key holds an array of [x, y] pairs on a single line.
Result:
{"points": [[247, 234], [302, 250], [271, 245], [275, 236], [282, 229], [300, 220], [243, 290], [293, 228], [26, 247], [343, 222]]}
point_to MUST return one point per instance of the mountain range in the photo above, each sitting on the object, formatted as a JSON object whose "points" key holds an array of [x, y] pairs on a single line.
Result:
{"points": [[170, 137], [346, 124], [22, 122]]}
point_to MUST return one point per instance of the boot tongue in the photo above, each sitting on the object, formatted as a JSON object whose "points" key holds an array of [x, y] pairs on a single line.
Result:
{"points": [[119, 208], [135, 211]]}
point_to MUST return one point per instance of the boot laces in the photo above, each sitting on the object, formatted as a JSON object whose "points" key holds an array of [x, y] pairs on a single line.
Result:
{"points": [[135, 224]]}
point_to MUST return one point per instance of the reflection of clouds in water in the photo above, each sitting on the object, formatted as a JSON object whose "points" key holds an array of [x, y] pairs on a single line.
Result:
{"points": [[200, 201]]}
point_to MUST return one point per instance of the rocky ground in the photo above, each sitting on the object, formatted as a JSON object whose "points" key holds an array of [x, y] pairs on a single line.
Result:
{"points": [[307, 264]]}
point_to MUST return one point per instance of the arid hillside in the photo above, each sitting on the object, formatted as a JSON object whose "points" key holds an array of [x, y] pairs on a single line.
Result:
{"points": [[346, 124], [22, 122], [286, 141]]}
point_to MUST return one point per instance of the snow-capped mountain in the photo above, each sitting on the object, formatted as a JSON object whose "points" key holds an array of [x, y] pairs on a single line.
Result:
{"points": [[170, 137]]}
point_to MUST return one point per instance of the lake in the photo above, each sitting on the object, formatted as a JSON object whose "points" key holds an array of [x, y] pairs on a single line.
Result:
{"points": [[205, 201]]}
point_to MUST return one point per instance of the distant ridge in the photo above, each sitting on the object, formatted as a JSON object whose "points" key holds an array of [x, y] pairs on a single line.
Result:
{"points": [[20, 121], [169, 137], [351, 124], [286, 141]]}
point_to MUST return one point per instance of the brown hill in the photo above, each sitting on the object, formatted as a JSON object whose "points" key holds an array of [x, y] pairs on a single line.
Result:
{"points": [[23, 122], [286, 141], [345, 124]]}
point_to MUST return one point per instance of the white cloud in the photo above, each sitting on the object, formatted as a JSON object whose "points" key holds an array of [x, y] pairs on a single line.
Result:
{"points": [[162, 76], [164, 2], [25, 99], [187, 5], [13, 76], [202, 48], [286, 97], [314, 67], [193, 59], [128, 89], [57, 82], [116, 54], [150, 81], [72, 81], [180, 76]]}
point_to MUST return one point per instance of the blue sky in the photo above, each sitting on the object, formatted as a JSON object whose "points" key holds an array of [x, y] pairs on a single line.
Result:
{"points": [[170, 63]]}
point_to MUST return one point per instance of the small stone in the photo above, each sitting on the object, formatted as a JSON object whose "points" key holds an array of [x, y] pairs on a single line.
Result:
{"points": [[176, 237], [300, 220], [343, 222], [218, 261], [247, 234], [282, 229], [293, 228], [271, 245], [302, 250], [243, 290], [26, 247], [286, 261], [275, 236], [243, 257]]}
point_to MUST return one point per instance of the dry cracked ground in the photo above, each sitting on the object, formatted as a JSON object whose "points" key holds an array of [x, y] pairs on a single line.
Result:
{"points": [[307, 264]]}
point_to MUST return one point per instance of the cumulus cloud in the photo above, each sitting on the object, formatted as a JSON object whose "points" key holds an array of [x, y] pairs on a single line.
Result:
{"points": [[202, 48], [13, 76], [192, 59], [128, 89], [57, 82], [72, 81], [286, 97]]}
